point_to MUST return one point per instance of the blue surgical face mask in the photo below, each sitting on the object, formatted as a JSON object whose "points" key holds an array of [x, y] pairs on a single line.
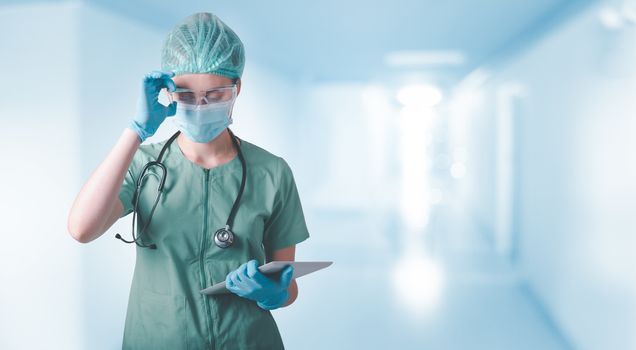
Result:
{"points": [[203, 123]]}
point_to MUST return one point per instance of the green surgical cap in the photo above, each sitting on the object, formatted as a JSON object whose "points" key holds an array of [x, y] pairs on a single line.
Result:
{"points": [[202, 43]]}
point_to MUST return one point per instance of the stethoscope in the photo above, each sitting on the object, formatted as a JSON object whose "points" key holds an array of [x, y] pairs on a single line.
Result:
{"points": [[223, 237]]}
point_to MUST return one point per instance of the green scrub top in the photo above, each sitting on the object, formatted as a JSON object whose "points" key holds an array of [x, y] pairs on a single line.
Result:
{"points": [[165, 308]]}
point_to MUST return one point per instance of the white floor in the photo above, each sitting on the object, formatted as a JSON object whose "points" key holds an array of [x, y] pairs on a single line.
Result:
{"points": [[354, 305]]}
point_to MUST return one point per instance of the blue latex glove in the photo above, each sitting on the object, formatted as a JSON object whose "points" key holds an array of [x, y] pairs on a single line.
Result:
{"points": [[248, 282], [151, 113]]}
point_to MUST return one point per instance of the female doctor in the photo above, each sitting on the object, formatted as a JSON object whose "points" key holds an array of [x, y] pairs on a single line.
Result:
{"points": [[225, 206]]}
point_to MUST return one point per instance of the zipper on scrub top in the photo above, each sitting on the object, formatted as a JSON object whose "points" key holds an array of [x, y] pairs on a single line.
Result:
{"points": [[204, 244]]}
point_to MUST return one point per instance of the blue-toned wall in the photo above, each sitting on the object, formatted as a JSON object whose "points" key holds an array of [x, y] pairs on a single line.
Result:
{"points": [[574, 168], [39, 265]]}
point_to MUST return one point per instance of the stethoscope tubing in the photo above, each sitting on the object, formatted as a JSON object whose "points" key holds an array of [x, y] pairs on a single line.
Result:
{"points": [[223, 237]]}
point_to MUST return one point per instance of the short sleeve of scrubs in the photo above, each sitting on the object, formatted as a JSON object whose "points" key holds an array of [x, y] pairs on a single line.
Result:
{"points": [[128, 187], [286, 226]]}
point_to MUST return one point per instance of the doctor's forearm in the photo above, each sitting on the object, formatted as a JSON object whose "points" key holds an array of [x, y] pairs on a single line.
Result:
{"points": [[285, 254], [293, 293], [95, 200]]}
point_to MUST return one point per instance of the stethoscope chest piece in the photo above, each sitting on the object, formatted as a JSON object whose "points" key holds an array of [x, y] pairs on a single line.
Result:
{"points": [[223, 237]]}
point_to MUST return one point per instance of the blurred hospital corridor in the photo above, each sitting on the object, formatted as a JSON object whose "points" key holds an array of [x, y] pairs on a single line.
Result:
{"points": [[468, 166]]}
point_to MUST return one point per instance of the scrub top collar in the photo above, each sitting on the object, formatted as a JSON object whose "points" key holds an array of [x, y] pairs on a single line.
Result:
{"points": [[232, 166]]}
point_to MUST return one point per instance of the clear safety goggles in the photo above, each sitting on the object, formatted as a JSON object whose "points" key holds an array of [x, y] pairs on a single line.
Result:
{"points": [[217, 95]]}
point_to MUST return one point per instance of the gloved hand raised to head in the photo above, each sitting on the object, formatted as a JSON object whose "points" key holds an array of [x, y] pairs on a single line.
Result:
{"points": [[248, 282], [151, 113]]}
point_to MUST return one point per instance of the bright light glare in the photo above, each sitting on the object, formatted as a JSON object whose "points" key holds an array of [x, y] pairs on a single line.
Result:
{"points": [[419, 96], [610, 18], [418, 282], [415, 125], [436, 196], [424, 58], [458, 170]]}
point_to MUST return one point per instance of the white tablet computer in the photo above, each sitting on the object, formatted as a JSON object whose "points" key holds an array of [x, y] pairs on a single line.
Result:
{"points": [[301, 268]]}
